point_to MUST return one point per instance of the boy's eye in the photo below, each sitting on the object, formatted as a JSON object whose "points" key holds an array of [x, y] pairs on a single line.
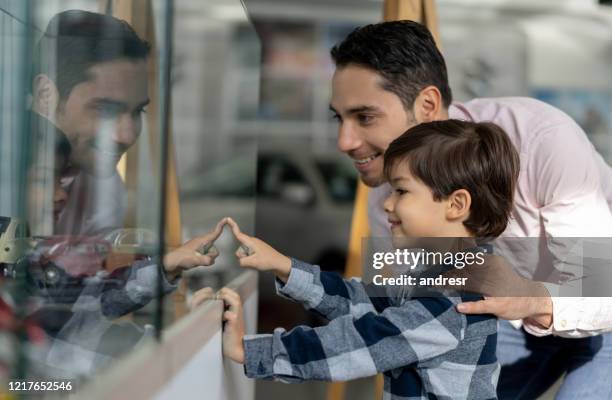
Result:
{"points": [[401, 191], [336, 117]]}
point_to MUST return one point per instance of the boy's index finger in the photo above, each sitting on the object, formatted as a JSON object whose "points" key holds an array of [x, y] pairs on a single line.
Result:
{"points": [[234, 226], [236, 230]]}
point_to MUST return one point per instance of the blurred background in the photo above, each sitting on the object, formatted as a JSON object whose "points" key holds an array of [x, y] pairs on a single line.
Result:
{"points": [[252, 133]]}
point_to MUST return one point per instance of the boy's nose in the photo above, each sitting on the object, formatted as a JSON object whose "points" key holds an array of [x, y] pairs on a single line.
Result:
{"points": [[388, 204], [60, 195]]}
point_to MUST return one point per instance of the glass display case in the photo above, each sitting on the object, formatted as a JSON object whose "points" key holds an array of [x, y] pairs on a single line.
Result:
{"points": [[105, 116]]}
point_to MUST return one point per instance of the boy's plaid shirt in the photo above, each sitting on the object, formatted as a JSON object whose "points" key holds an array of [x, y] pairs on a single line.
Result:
{"points": [[424, 347]]}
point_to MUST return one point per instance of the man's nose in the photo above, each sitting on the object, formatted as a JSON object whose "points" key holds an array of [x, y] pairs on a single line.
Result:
{"points": [[348, 139], [127, 130]]}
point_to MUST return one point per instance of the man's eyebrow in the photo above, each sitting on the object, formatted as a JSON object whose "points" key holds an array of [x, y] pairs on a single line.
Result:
{"points": [[109, 102], [105, 101], [358, 109]]}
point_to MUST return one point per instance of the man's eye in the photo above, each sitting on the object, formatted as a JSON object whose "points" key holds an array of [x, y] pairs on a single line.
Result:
{"points": [[139, 111], [107, 111], [401, 191], [336, 117], [364, 119]]}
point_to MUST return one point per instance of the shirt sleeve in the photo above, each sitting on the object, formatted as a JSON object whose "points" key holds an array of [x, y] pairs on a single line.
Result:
{"points": [[134, 292], [349, 348], [576, 317], [568, 188], [328, 294]]}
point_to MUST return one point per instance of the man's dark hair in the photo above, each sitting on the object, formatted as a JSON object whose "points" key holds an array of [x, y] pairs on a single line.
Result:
{"points": [[403, 53], [76, 40], [451, 155]]}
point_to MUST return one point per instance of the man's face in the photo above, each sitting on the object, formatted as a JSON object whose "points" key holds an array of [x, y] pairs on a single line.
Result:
{"points": [[102, 117], [369, 118]]}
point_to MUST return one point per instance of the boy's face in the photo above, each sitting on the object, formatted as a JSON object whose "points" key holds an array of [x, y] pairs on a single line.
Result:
{"points": [[411, 209], [369, 119]]}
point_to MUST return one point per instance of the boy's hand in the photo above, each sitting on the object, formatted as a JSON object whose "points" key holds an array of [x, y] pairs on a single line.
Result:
{"points": [[255, 253], [201, 296], [188, 255], [233, 331]]}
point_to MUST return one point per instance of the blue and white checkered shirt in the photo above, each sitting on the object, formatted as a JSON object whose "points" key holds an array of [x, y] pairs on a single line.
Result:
{"points": [[424, 347]]}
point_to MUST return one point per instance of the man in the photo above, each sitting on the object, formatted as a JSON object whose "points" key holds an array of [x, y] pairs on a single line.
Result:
{"points": [[389, 77], [90, 82]]}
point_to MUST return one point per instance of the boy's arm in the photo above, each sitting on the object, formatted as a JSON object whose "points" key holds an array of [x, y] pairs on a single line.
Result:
{"points": [[328, 294], [135, 291], [349, 348], [323, 292], [132, 292]]}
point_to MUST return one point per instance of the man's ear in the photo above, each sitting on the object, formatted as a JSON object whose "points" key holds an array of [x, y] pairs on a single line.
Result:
{"points": [[459, 203], [428, 105], [45, 96]]}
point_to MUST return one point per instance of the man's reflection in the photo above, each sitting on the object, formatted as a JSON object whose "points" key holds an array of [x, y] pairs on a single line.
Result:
{"points": [[91, 82], [91, 85]]}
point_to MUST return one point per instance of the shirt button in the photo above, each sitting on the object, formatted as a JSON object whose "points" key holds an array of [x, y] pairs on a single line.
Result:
{"points": [[563, 323]]}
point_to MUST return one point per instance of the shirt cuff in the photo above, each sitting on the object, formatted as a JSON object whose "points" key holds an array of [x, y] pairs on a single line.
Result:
{"points": [[536, 330], [300, 281], [565, 317], [146, 271], [258, 360]]}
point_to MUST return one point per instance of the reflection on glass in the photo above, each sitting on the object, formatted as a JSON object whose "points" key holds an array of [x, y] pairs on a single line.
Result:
{"points": [[217, 157], [79, 254]]}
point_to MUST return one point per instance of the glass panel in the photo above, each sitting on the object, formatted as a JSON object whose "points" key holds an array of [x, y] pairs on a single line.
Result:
{"points": [[215, 87], [80, 185]]}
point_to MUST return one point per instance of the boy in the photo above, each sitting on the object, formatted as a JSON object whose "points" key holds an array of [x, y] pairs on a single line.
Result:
{"points": [[450, 179]]}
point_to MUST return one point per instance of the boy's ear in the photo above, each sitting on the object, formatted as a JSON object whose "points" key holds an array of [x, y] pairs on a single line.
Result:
{"points": [[45, 96], [459, 203]]}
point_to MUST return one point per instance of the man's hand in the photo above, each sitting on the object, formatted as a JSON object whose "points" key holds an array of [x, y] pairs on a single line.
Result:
{"points": [[233, 331], [535, 310], [507, 294], [188, 256], [255, 253]]}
